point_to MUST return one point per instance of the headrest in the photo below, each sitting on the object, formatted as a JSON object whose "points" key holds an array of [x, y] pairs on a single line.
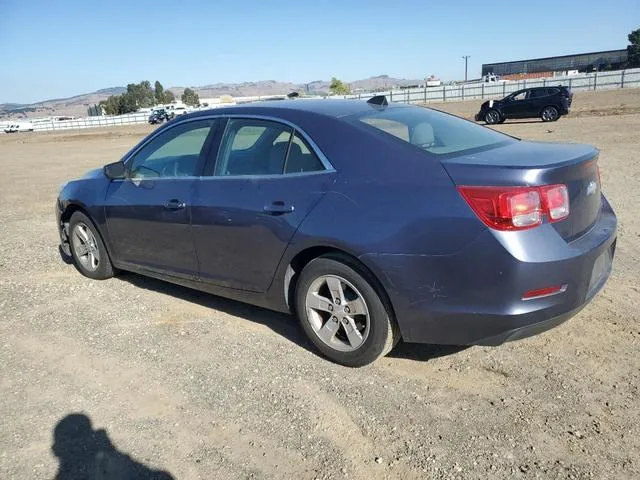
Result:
{"points": [[422, 135]]}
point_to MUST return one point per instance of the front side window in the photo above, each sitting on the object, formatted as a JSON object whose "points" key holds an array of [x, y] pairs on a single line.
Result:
{"points": [[433, 131], [519, 96], [174, 153], [262, 147]]}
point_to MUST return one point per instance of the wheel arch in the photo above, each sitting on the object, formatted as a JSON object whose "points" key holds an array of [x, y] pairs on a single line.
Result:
{"points": [[65, 217], [305, 256]]}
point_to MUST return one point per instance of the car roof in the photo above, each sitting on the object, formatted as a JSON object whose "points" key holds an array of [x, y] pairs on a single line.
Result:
{"points": [[326, 107]]}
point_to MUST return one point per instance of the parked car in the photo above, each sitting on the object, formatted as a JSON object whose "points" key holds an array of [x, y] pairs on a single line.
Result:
{"points": [[159, 116], [370, 221], [547, 103]]}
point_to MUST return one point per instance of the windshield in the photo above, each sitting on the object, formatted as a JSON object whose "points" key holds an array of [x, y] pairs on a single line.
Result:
{"points": [[436, 132]]}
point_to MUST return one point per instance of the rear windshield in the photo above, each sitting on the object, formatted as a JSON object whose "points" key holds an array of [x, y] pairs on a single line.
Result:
{"points": [[436, 132]]}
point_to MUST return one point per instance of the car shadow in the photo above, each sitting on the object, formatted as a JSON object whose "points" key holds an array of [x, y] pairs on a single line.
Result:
{"points": [[424, 352], [284, 325], [85, 453]]}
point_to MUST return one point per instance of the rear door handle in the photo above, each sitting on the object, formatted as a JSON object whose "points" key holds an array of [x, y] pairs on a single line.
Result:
{"points": [[174, 204], [278, 208]]}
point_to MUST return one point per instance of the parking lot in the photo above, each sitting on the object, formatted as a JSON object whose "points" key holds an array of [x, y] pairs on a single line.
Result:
{"points": [[204, 387]]}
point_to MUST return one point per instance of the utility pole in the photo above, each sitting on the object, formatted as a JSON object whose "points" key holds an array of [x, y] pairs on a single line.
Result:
{"points": [[466, 58]]}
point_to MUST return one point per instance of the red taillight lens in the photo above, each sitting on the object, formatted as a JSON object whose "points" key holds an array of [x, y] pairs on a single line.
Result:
{"points": [[517, 208], [556, 201]]}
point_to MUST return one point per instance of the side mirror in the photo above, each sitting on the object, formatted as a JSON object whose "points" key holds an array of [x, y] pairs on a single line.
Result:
{"points": [[114, 171]]}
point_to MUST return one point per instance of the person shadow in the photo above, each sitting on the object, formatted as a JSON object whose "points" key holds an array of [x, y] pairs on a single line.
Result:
{"points": [[87, 454]]}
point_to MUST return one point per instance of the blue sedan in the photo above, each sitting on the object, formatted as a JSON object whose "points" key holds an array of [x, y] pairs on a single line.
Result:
{"points": [[370, 221]]}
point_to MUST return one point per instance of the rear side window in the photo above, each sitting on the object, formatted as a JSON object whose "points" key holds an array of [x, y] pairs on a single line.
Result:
{"points": [[262, 147], [553, 91], [431, 130], [540, 92], [301, 158]]}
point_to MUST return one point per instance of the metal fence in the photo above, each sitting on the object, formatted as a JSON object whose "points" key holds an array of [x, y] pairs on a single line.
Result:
{"points": [[90, 122], [592, 81]]}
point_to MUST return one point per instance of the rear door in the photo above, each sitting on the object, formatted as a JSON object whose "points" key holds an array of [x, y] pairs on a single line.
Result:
{"points": [[266, 179], [148, 213], [538, 99]]}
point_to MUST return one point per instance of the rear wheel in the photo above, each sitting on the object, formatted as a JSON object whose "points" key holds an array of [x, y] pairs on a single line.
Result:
{"points": [[549, 114], [342, 314], [89, 254], [492, 117]]}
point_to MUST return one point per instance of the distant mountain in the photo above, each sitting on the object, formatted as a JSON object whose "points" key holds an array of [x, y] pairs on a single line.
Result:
{"points": [[77, 105]]}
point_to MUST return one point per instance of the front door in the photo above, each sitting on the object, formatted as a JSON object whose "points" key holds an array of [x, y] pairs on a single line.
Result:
{"points": [[517, 105], [148, 213], [266, 180]]}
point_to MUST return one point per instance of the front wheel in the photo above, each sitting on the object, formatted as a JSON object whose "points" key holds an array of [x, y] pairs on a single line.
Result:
{"points": [[492, 117], [342, 314], [549, 114], [89, 254]]}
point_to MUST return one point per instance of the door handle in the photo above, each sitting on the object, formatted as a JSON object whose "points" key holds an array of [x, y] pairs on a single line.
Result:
{"points": [[278, 208], [174, 204]]}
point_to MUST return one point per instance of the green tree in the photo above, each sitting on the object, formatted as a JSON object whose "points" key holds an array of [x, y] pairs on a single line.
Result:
{"points": [[189, 97], [338, 87], [168, 97], [158, 92], [633, 50]]}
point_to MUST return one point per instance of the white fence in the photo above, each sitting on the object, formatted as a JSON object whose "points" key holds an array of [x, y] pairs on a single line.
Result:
{"points": [[591, 81], [90, 122]]}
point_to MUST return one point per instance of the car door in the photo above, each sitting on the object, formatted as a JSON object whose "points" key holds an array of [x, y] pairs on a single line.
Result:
{"points": [[538, 99], [266, 179], [516, 105], [148, 213]]}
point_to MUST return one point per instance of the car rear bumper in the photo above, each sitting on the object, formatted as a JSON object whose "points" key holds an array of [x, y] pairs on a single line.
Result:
{"points": [[475, 297]]}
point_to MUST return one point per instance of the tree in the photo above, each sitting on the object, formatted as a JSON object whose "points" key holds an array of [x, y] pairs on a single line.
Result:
{"points": [[189, 97], [159, 92], [633, 50], [169, 97], [338, 87]]}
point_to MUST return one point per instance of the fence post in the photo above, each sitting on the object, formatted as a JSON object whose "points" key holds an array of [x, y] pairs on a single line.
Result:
{"points": [[482, 98], [544, 82], [595, 80], [569, 84], [462, 92], [425, 93], [391, 95], [444, 93], [622, 79], [504, 89]]}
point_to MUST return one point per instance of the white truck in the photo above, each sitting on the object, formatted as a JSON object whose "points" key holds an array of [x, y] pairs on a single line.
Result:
{"points": [[16, 127]]}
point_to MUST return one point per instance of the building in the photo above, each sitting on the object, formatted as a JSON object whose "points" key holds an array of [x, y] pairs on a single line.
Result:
{"points": [[548, 66]]}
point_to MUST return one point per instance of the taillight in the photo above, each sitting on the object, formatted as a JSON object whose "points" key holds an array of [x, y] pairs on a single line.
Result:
{"points": [[517, 208], [556, 199]]}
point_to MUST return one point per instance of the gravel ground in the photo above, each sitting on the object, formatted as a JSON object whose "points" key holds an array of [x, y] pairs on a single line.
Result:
{"points": [[203, 387]]}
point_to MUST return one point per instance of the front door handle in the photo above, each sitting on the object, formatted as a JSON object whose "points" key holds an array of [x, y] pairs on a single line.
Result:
{"points": [[174, 204], [278, 208]]}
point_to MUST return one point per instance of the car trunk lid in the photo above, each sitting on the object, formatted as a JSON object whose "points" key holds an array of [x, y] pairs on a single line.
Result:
{"points": [[535, 164]]}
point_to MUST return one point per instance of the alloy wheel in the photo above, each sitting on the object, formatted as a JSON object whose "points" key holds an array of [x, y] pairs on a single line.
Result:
{"points": [[337, 313], [85, 247]]}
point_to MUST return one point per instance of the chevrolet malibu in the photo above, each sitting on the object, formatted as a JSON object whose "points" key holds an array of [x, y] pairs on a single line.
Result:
{"points": [[370, 221]]}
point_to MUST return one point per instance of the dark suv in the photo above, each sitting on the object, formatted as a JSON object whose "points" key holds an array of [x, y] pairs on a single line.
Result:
{"points": [[548, 103]]}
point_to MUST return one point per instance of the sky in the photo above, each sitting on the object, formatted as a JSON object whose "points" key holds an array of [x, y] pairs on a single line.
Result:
{"points": [[56, 48]]}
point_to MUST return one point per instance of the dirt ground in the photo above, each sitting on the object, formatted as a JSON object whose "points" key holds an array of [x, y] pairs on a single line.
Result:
{"points": [[203, 387]]}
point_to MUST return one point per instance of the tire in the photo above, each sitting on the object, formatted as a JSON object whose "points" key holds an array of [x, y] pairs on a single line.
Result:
{"points": [[492, 117], [330, 326], [549, 114], [502, 120], [84, 237]]}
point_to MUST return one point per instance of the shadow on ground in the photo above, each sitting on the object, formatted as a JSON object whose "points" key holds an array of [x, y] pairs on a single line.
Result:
{"points": [[282, 324], [87, 454]]}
